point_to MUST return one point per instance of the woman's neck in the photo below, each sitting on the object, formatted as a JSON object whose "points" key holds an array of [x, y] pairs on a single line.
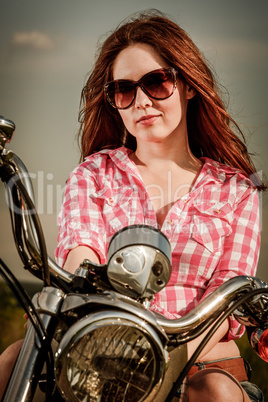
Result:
{"points": [[158, 156]]}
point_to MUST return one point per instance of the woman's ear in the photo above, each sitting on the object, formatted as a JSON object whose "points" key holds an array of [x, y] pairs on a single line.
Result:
{"points": [[190, 92]]}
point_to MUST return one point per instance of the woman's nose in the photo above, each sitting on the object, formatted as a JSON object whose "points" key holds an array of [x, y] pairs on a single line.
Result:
{"points": [[142, 100]]}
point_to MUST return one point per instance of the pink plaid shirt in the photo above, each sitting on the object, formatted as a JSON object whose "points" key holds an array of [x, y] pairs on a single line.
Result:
{"points": [[213, 230]]}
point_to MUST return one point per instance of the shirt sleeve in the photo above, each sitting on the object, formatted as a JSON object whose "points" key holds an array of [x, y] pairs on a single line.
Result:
{"points": [[80, 218], [241, 251]]}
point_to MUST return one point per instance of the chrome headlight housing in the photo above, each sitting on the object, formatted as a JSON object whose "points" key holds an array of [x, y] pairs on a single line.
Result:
{"points": [[139, 261], [110, 356]]}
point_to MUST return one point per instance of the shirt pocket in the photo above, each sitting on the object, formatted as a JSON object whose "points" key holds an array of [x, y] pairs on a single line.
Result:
{"points": [[117, 199], [211, 223], [117, 208]]}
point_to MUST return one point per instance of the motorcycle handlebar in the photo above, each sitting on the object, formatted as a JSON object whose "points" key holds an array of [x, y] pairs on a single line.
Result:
{"points": [[209, 308]]}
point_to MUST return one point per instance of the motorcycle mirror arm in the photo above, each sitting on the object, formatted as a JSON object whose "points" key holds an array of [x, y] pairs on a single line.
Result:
{"points": [[16, 224], [10, 177], [55, 269], [12, 163], [20, 217], [7, 128]]}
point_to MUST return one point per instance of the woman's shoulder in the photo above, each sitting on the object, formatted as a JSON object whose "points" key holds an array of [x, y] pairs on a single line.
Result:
{"points": [[97, 161], [225, 181], [225, 173]]}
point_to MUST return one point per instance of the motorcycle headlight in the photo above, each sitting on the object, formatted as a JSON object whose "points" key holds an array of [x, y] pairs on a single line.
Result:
{"points": [[109, 356]]}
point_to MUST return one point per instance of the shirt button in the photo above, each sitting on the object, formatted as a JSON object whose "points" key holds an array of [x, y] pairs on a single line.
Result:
{"points": [[218, 211], [110, 200], [170, 222]]}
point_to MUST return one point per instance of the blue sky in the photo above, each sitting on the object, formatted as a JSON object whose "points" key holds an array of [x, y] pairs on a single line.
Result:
{"points": [[47, 49]]}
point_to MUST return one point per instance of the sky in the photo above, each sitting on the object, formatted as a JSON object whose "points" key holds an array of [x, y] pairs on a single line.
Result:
{"points": [[47, 49]]}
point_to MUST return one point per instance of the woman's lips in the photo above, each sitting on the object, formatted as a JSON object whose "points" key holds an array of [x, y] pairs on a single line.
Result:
{"points": [[147, 120]]}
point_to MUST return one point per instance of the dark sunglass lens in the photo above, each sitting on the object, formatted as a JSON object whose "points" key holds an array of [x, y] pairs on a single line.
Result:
{"points": [[120, 93], [159, 85]]}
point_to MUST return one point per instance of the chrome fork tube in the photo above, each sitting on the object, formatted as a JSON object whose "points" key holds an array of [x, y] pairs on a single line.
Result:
{"points": [[25, 376]]}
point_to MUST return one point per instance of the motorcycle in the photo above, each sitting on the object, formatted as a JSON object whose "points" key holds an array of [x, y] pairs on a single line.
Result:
{"points": [[91, 335]]}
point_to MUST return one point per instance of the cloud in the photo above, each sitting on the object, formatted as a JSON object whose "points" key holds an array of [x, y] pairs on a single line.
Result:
{"points": [[34, 40]]}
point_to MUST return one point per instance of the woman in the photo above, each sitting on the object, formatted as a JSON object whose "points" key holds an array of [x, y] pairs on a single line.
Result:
{"points": [[159, 148]]}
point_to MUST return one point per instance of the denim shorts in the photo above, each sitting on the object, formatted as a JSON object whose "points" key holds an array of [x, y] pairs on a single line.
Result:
{"points": [[254, 393]]}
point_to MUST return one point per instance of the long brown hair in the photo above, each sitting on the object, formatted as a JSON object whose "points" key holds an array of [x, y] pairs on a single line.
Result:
{"points": [[212, 132]]}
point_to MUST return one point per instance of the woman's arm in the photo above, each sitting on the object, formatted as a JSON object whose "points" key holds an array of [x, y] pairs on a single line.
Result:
{"points": [[82, 233], [215, 339], [77, 255], [239, 257], [241, 249]]}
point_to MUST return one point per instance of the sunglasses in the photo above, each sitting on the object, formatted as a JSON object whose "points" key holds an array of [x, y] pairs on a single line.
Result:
{"points": [[158, 84]]}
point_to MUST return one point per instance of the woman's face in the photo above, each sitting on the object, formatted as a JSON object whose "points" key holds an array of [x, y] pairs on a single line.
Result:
{"points": [[147, 119]]}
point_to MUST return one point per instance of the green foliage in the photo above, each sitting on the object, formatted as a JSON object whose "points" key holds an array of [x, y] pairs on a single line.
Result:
{"points": [[11, 318]]}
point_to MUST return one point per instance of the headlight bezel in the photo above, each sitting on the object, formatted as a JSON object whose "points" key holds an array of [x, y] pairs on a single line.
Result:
{"points": [[108, 319]]}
